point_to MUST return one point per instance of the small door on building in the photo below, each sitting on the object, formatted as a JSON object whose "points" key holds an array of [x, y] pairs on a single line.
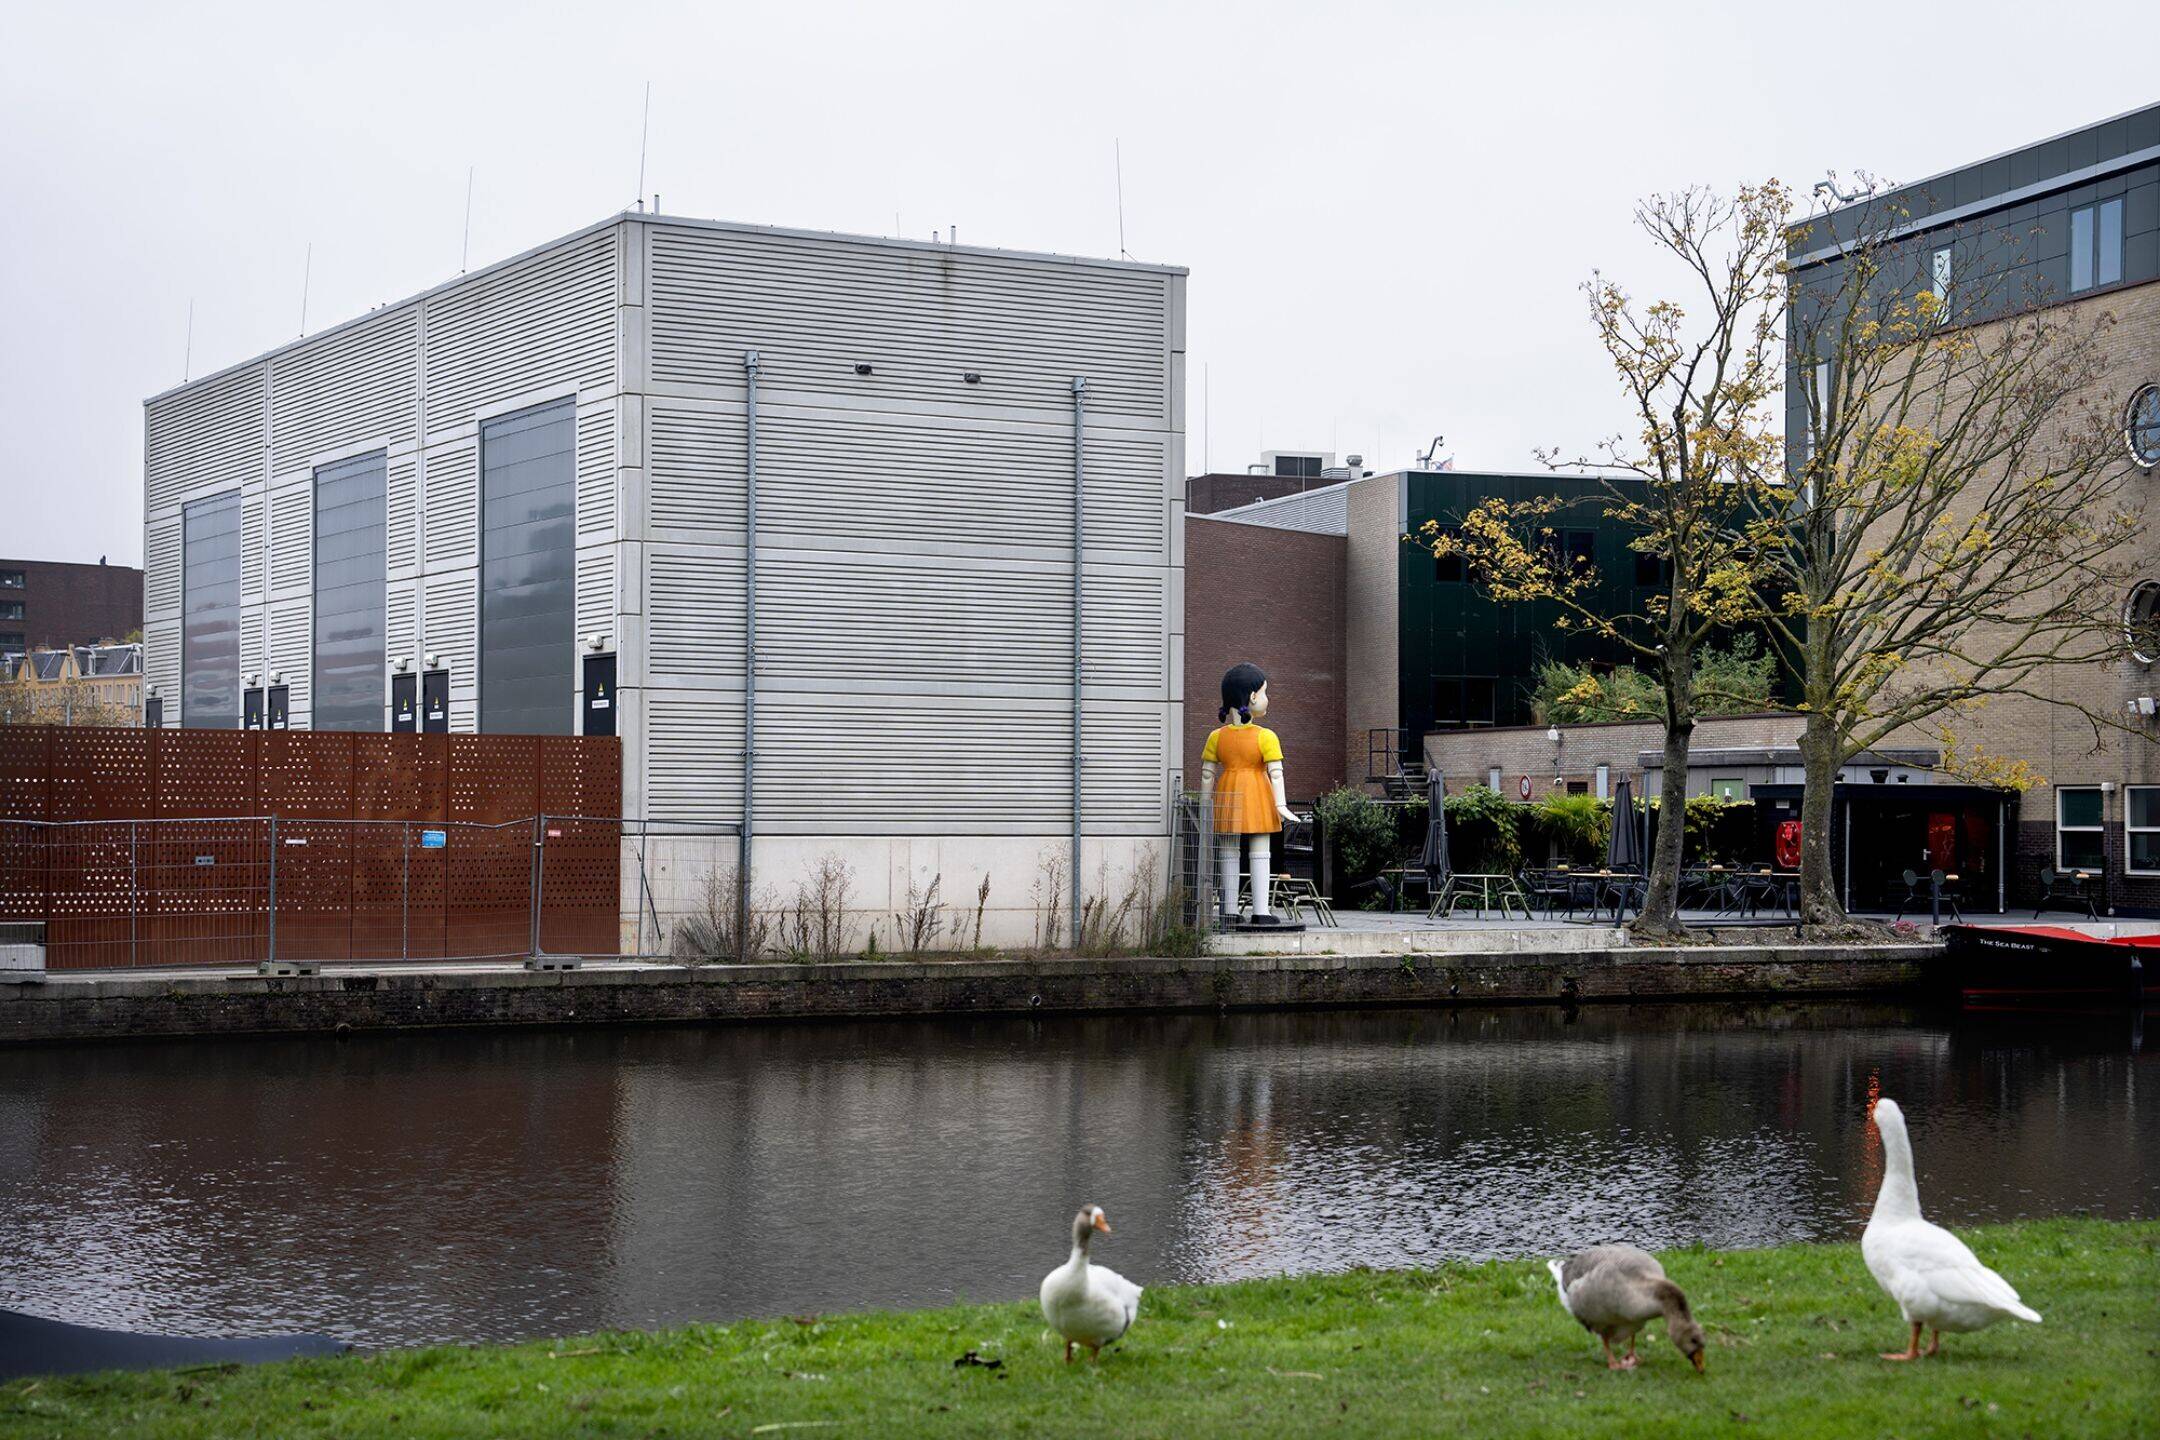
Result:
{"points": [[280, 707], [404, 704], [154, 712], [435, 702], [251, 708], [599, 695]]}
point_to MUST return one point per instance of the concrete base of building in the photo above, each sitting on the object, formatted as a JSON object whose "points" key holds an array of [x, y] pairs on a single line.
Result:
{"points": [[346, 1000]]}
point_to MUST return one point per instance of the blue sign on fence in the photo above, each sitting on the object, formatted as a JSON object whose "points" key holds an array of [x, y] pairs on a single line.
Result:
{"points": [[431, 839]]}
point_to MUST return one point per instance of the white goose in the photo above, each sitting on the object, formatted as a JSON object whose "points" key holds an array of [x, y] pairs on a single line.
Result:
{"points": [[1937, 1282], [1089, 1305]]}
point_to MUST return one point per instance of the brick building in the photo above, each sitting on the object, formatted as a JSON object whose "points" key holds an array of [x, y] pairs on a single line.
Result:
{"points": [[1274, 597], [57, 603], [2071, 223]]}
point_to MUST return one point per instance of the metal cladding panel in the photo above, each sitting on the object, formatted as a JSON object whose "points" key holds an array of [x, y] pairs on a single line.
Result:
{"points": [[595, 592], [694, 466], [110, 773], [1128, 754], [357, 385], [401, 513], [254, 547], [694, 755], [306, 775], [596, 473], [451, 483], [25, 772], [292, 552], [450, 623], [1128, 494], [854, 618], [493, 778], [161, 567], [161, 664], [542, 322], [254, 640], [927, 766], [694, 612], [290, 653], [815, 307], [401, 622], [207, 773], [211, 434], [1128, 614], [401, 777]]}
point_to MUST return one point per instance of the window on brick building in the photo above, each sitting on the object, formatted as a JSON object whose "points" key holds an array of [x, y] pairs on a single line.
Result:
{"points": [[2080, 828], [2141, 828], [2141, 427], [2096, 244], [11, 609], [11, 580], [2141, 621]]}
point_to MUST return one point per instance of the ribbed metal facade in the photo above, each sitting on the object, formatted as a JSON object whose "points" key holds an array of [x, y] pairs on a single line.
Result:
{"points": [[915, 493]]}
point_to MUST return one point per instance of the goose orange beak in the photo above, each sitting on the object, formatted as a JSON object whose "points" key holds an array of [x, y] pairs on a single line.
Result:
{"points": [[1102, 1223], [1700, 1367]]}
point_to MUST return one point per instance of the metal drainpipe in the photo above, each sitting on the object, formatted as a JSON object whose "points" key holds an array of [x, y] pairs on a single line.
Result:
{"points": [[750, 550], [1079, 394]]}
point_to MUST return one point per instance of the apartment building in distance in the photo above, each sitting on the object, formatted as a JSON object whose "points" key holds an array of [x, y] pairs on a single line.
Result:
{"points": [[52, 604]]}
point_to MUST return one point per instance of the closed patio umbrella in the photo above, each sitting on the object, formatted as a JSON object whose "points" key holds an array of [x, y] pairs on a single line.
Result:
{"points": [[1434, 859], [1625, 850]]}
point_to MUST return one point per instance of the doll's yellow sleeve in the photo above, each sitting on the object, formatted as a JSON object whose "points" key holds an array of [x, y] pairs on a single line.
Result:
{"points": [[1207, 751], [1270, 748]]}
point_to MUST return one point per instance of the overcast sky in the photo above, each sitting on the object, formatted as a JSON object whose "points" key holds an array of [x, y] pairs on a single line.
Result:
{"points": [[1387, 210]]}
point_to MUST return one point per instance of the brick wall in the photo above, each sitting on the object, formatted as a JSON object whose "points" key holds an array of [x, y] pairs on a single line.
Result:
{"points": [[1206, 494], [1274, 598], [69, 604], [2062, 746]]}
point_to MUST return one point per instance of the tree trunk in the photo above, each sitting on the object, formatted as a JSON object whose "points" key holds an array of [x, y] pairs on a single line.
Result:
{"points": [[1819, 753], [1660, 915]]}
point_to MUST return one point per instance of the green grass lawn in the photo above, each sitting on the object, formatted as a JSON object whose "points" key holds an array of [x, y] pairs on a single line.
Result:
{"points": [[1469, 1350]]}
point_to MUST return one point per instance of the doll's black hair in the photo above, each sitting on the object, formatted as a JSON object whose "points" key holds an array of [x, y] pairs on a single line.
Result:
{"points": [[1238, 684]]}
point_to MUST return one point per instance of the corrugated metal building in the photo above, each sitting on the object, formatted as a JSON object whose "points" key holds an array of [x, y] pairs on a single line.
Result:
{"points": [[458, 511]]}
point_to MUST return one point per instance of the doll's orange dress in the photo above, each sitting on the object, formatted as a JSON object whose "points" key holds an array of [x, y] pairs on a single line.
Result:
{"points": [[1244, 796]]}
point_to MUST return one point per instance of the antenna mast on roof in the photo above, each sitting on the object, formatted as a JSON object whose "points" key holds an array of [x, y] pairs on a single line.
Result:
{"points": [[307, 274], [465, 250], [1117, 155], [644, 132], [187, 362]]}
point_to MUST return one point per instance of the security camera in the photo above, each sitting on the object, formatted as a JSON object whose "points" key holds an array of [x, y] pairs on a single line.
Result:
{"points": [[862, 367]]}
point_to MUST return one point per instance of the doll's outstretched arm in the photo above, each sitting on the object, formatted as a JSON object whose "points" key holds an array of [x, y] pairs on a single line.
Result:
{"points": [[1209, 769], [1282, 803]]}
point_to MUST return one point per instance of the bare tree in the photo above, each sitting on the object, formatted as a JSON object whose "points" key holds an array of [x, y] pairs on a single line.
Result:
{"points": [[1956, 520], [1699, 377]]}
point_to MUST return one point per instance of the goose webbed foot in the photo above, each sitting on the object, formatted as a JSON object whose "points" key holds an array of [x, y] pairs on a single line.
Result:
{"points": [[1912, 1351], [1934, 1343], [1068, 1352]]}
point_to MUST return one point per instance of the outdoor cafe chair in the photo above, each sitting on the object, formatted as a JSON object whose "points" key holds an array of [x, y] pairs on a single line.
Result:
{"points": [[1937, 887], [1290, 893], [1551, 887], [2065, 890]]}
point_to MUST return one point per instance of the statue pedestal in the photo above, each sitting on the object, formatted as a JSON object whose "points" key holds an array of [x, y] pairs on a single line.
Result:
{"points": [[1277, 926]]}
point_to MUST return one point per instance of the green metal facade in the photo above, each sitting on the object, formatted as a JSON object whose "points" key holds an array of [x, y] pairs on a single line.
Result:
{"points": [[1456, 645]]}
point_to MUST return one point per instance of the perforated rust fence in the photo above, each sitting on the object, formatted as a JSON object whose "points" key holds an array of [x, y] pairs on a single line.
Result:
{"points": [[201, 847]]}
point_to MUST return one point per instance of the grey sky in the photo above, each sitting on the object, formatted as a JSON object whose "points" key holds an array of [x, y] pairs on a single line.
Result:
{"points": [[1386, 209]]}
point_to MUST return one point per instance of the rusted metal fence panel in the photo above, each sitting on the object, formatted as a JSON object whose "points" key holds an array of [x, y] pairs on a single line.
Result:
{"points": [[199, 847]]}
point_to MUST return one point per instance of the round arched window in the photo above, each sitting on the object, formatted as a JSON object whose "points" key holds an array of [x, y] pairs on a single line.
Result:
{"points": [[2141, 426], [2141, 621]]}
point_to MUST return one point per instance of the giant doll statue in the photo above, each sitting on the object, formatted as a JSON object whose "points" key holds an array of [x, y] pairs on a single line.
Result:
{"points": [[1241, 781]]}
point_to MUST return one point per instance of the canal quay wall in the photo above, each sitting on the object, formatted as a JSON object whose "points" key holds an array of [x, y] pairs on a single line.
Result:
{"points": [[351, 999]]}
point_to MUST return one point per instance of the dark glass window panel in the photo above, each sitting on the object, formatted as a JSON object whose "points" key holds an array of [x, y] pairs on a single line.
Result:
{"points": [[210, 614], [1649, 569], [528, 572], [349, 575], [1478, 701], [2145, 425], [2144, 804], [2079, 807], [2144, 850], [2083, 850], [2109, 269], [2081, 248], [1582, 548]]}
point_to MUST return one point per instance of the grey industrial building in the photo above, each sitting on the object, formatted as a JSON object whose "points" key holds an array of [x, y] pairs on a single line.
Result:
{"points": [[520, 502]]}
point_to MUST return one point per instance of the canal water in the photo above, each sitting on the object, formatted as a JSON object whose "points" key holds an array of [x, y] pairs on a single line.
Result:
{"points": [[479, 1186]]}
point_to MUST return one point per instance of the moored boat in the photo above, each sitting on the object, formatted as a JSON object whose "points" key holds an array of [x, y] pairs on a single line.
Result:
{"points": [[1984, 964]]}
